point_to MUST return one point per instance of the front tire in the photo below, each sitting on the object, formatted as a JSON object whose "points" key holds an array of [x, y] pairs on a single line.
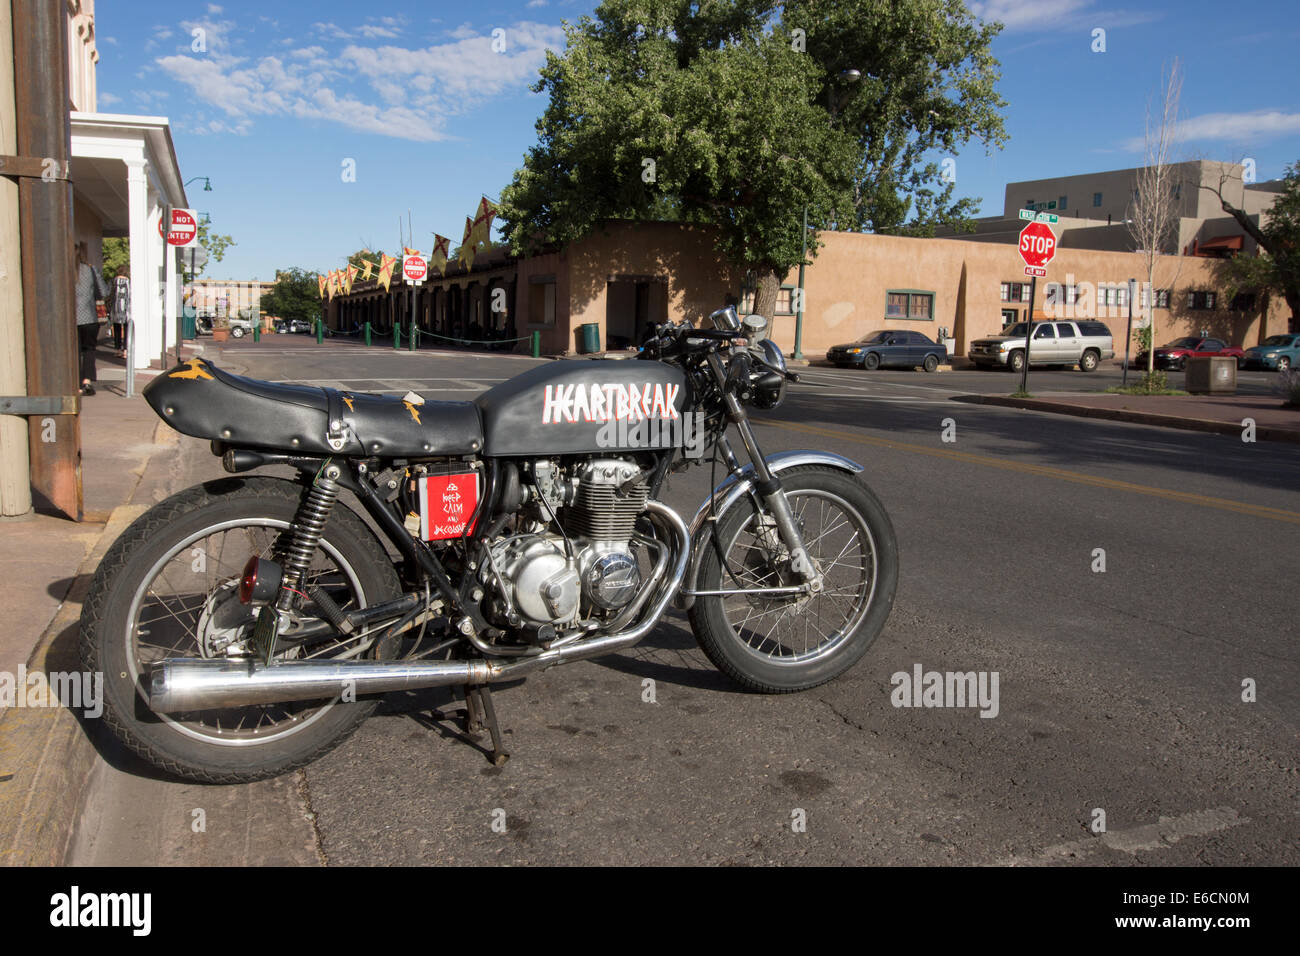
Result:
{"points": [[871, 361], [736, 632], [1016, 360], [162, 590]]}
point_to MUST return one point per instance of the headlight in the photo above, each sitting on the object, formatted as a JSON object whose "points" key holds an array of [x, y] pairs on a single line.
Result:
{"points": [[1003, 346], [772, 354], [854, 351]]}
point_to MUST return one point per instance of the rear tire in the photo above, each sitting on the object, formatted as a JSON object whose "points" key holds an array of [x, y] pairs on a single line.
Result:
{"points": [[1088, 361], [931, 363], [158, 544], [730, 645]]}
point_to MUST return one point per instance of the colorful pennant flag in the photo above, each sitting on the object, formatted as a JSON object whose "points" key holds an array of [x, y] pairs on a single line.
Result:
{"points": [[438, 258], [320, 285], [482, 227], [466, 254], [348, 276], [410, 252], [386, 263], [365, 269]]}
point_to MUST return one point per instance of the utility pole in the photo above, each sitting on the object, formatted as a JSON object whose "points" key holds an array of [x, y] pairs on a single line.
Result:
{"points": [[44, 140], [15, 483]]}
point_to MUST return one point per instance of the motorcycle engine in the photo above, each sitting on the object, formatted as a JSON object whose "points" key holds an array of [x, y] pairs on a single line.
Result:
{"points": [[540, 582]]}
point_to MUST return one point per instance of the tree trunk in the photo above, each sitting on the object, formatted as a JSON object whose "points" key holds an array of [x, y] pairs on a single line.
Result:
{"points": [[769, 284]]}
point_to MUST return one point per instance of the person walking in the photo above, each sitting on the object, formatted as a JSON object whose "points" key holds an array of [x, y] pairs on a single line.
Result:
{"points": [[119, 310], [89, 290]]}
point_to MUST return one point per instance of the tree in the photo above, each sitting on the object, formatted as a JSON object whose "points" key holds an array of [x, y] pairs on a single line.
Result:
{"points": [[1276, 268], [295, 295], [927, 85], [720, 113], [363, 255], [117, 253], [1152, 214], [214, 244]]}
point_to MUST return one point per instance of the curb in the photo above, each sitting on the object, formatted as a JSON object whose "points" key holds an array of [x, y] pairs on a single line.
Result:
{"points": [[1213, 426], [46, 754]]}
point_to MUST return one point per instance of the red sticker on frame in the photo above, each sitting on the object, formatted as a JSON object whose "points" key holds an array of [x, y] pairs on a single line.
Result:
{"points": [[446, 503]]}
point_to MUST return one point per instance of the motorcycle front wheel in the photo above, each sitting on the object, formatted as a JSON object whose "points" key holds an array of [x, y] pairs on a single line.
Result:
{"points": [[168, 588], [779, 644]]}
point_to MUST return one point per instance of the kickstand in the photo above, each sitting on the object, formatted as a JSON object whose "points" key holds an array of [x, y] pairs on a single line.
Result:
{"points": [[479, 713]]}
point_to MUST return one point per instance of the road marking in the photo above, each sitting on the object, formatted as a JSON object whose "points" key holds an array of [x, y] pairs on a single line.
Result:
{"points": [[1045, 471], [1151, 836]]}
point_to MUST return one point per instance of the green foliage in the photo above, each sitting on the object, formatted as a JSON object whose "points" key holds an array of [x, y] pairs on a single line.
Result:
{"points": [[213, 243], [364, 255], [1142, 336], [294, 296], [117, 253], [1151, 383], [1277, 267], [1288, 386], [737, 118]]}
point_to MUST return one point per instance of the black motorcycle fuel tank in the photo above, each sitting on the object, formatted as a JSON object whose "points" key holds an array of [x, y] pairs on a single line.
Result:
{"points": [[576, 406]]}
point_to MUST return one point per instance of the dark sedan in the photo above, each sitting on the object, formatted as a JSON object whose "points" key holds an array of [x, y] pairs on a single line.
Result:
{"points": [[892, 348], [1176, 353]]}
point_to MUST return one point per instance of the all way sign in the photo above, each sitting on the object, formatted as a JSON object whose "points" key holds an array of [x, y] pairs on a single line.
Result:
{"points": [[1037, 247]]}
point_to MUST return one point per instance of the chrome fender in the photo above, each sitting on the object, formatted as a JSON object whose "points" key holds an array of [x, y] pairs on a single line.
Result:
{"points": [[735, 487]]}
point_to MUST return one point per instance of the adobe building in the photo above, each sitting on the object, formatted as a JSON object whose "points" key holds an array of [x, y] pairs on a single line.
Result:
{"points": [[627, 276]]}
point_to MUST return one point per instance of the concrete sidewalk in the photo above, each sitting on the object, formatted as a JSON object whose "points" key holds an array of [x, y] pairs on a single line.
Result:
{"points": [[1218, 414], [46, 562]]}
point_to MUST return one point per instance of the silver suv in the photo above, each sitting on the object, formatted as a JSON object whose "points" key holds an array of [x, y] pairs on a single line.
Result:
{"points": [[1084, 343]]}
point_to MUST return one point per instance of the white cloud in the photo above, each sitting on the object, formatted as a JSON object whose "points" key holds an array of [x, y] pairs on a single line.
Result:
{"points": [[1241, 128], [108, 99], [536, 3], [213, 10], [388, 90], [111, 41], [1056, 14]]}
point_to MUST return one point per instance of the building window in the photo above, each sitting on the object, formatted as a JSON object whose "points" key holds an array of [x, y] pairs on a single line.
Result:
{"points": [[1071, 294], [541, 301], [1015, 292], [785, 300], [1243, 302], [909, 304], [1060, 203], [1096, 200], [1201, 300], [1162, 298]]}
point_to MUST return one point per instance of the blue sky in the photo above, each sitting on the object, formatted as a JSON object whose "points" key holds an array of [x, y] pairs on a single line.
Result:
{"points": [[282, 96]]}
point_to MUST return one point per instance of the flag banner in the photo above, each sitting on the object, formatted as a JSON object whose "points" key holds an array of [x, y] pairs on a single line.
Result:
{"points": [[348, 276], [438, 258], [365, 269], [466, 254], [386, 263], [410, 252], [481, 230], [320, 286], [331, 283]]}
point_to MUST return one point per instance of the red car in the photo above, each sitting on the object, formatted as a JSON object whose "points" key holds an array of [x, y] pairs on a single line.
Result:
{"points": [[1176, 353]]}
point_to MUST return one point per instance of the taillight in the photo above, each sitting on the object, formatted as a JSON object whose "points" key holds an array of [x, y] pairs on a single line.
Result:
{"points": [[248, 583]]}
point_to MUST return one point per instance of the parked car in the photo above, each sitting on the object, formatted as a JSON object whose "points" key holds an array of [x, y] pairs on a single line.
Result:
{"points": [[893, 348], [240, 327], [1279, 352], [1084, 343], [285, 326], [1176, 353]]}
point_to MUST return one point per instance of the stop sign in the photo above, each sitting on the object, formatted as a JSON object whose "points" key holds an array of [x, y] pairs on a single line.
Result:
{"points": [[184, 229], [415, 268], [1037, 244]]}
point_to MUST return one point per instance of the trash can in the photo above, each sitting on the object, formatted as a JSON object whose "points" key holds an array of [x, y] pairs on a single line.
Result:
{"points": [[588, 338], [189, 326], [1211, 375]]}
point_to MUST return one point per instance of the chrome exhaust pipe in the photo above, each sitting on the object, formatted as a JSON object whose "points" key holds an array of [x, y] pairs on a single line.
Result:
{"points": [[186, 684], [190, 684]]}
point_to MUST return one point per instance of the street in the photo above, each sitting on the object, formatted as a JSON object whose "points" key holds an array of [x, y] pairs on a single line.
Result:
{"points": [[1133, 588]]}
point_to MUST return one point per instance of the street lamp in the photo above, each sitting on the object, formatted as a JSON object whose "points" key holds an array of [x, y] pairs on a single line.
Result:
{"points": [[207, 183], [846, 77]]}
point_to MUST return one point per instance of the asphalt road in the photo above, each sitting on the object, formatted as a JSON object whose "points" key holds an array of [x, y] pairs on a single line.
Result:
{"points": [[1119, 691]]}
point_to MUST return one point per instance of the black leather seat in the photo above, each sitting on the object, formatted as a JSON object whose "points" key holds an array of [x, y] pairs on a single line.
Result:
{"points": [[199, 399]]}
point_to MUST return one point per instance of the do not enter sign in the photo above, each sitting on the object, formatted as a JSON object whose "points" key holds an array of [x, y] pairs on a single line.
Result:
{"points": [[414, 268], [1037, 247], [184, 230]]}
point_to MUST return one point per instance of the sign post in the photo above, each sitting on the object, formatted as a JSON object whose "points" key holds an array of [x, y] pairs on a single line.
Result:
{"points": [[1037, 249], [414, 270]]}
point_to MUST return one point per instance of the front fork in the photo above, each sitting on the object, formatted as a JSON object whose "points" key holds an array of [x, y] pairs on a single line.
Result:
{"points": [[770, 492]]}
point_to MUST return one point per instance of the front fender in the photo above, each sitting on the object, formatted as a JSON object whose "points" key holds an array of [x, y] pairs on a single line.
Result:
{"points": [[735, 487]]}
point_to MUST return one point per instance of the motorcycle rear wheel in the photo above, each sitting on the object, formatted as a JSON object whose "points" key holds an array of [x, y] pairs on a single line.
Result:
{"points": [[778, 645], [160, 591]]}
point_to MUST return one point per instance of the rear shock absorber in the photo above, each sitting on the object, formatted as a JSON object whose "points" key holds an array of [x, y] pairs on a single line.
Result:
{"points": [[308, 528]]}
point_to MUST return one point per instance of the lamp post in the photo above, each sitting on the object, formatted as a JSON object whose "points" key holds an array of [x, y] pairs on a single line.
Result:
{"points": [[845, 76]]}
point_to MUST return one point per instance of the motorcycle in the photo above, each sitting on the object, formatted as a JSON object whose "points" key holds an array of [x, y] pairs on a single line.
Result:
{"points": [[247, 625]]}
